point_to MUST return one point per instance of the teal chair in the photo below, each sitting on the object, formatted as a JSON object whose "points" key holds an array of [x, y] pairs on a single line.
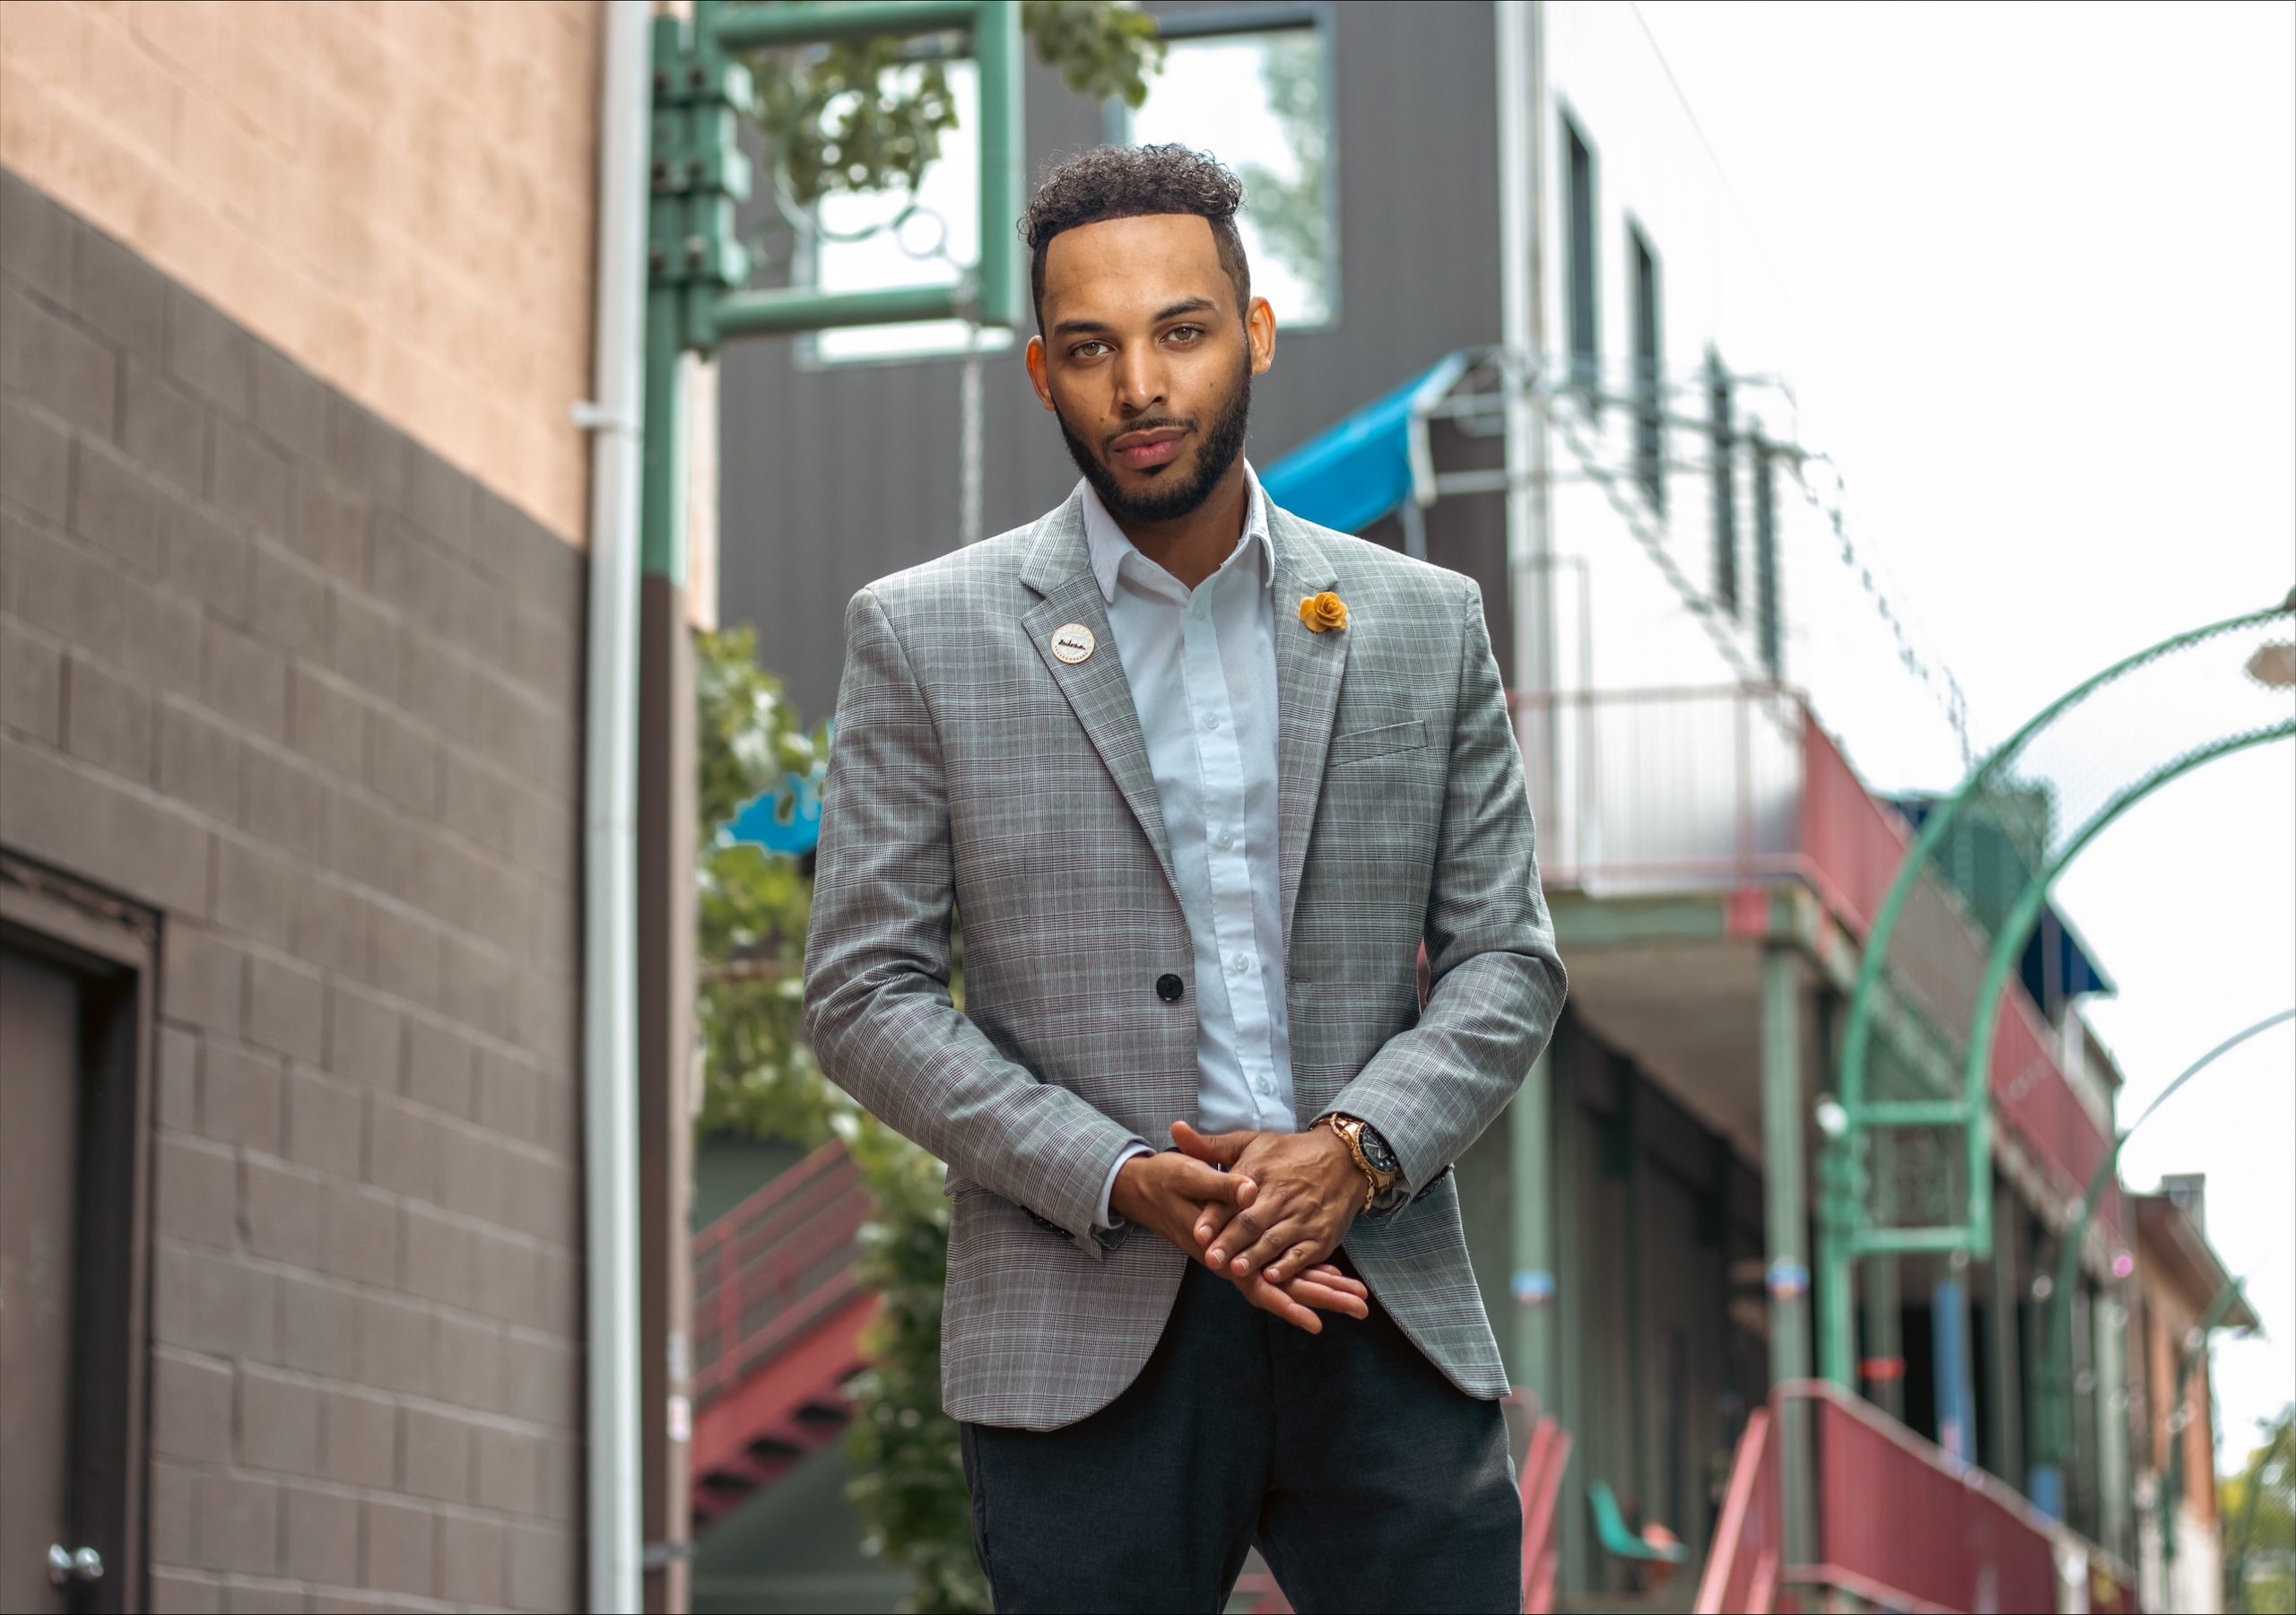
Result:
{"points": [[1617, 1540]]}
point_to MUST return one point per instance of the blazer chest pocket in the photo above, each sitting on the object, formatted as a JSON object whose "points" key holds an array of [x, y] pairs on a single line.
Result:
{"points": [[1379, 742]]}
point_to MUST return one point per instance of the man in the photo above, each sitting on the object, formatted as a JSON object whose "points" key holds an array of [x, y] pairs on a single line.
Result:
{"points": [[1200, 777]]}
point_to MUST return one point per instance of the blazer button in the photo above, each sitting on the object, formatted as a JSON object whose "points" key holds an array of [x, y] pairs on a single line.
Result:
{"points": [[1169, 988]]}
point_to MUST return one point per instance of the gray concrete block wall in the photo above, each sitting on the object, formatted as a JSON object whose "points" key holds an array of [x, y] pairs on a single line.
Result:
{"points": [[274, 669]]}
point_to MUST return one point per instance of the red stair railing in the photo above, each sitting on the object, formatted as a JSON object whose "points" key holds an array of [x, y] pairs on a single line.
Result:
{"points": [[1749, 1538], [778, 1314], [1543, 1468]]}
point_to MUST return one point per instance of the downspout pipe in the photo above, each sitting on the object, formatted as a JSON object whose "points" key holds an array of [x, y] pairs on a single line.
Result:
{"points": [[610, 821]]}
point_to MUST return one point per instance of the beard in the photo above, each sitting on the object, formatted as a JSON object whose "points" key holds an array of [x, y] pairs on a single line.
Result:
{"points": [[1166, 502]]}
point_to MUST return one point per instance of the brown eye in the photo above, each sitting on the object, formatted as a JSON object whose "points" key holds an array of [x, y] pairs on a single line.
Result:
{"points": [[1188, 333]]}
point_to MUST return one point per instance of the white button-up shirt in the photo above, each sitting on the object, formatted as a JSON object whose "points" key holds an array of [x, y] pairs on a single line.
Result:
{"points": [[1200, 664]]}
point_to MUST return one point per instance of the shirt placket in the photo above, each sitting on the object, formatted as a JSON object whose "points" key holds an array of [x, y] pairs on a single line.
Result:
{"points": [[1221, 760]]}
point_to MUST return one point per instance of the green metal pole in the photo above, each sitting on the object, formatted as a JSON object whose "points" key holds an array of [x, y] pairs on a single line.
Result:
{"points": [[1881, 1298], [2113, 1492], [661, 507], [2007, 1459], [1004, 157], [696, 298], [1530, 1139], [1785, 1212], [784, 311]]}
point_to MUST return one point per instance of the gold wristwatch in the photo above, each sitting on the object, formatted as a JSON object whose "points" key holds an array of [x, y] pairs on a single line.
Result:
{"points": [[1376, 1165]]}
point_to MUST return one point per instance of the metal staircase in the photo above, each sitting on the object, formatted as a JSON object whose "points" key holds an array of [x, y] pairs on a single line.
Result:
{"points": [[778, 1315]]}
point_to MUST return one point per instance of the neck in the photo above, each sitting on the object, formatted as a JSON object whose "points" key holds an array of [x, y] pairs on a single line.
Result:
{"points": [[1191, 547]]}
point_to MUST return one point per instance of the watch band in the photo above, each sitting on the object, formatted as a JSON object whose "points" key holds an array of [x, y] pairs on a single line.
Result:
{"points": [[1350, 1129]]}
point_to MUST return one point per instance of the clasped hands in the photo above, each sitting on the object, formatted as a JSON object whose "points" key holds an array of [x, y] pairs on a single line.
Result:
{"points": [[1265, 1224]]}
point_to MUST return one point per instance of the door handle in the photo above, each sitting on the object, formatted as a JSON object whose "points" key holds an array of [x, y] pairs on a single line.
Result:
{"points": [[66, 1567]]}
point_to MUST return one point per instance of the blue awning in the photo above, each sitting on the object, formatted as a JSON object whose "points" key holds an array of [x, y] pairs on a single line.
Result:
{"points": [[1352, 473]]}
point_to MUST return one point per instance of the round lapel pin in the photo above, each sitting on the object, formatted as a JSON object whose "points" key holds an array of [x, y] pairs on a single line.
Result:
{"points": [[1072, 642]]}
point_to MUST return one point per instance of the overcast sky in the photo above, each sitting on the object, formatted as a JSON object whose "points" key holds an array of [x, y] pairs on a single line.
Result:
{"points": [[2043, 265]]}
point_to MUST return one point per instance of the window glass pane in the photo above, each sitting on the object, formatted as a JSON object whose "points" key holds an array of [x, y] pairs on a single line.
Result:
{"points": [[1649, 397], [1725, 485], [938, 239], [1586, 364], [1256, 101]]}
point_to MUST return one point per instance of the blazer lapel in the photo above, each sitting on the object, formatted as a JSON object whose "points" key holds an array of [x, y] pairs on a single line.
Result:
{"points": [[1308, 667], [1058, 568]]}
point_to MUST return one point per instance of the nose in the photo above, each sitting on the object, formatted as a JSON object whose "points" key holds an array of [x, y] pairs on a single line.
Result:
{"points": [[1139, 377]]}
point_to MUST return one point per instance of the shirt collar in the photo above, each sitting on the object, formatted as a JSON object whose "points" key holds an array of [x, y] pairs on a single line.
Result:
{"points": [[1106, 543]]}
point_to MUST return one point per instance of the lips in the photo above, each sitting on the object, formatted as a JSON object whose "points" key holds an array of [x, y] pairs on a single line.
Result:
{"points": [[1154, 450]]}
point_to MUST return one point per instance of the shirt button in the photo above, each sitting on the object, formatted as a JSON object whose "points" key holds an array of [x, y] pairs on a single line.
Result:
{"points": [[1223, 839], [1169, 988], [1211, 720]]}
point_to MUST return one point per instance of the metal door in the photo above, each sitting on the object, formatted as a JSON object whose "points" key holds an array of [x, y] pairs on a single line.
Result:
{"points": [[40, 1091]]}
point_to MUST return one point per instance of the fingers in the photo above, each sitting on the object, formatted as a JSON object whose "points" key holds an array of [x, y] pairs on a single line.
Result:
{"points": [[1200, 1182], [1331, 1278], [1243, 1231], [1296, 1260], [1213, 1220], [1298, 1303], [1269, 1298], [1220, 1149], [1251, 1258], [1309, 1293]]}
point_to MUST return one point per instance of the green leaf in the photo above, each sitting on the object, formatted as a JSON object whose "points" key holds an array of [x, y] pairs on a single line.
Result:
{"points": [[863, 116]]}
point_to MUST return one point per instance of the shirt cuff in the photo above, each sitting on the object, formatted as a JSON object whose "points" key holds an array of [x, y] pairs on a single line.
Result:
{"points": [[1107, 1218]]}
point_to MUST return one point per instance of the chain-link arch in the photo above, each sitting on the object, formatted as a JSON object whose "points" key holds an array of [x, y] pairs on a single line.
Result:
{"points": [[1988, 858]]}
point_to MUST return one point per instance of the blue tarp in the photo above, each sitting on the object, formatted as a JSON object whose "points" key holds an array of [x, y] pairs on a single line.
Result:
{"points": [[1350, 475], [788, 820]]}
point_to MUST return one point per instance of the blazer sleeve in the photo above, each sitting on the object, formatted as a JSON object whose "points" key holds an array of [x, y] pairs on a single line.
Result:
{"points": [[877, 961], [1496, 984]]}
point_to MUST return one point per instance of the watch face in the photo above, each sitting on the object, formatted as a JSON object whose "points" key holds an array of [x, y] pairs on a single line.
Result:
{"points": [[1376, 1151]]}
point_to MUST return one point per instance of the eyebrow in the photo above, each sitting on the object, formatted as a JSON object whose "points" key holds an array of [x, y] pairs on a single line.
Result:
{"points": [[1087, 327]]}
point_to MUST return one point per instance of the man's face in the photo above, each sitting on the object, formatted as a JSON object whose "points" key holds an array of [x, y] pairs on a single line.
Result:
{"points": [[1145, 363]]}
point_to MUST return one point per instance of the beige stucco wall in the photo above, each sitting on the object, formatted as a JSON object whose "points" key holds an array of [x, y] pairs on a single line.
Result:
{"points": [[398, 194]]}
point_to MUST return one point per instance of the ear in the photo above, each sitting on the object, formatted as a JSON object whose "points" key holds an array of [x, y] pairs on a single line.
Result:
{"points": [[1259, 331], [1039, 377]]}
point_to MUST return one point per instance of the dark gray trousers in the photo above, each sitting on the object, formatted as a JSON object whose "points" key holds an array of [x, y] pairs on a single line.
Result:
{"points": [[1367, 1479]]}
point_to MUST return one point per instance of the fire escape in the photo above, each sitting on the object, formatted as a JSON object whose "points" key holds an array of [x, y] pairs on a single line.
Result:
{"points": [[777, 1316]]}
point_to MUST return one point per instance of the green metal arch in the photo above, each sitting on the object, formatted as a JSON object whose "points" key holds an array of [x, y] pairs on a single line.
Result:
{"points": [[2009, 943], [1973, 1108]]}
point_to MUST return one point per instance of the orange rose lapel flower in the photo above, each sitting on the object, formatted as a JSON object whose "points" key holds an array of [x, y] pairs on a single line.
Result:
{"points": [[1323, 612]]}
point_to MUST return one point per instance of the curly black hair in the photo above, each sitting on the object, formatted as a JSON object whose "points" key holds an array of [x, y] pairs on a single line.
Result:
{"points": [[1128, 182]]}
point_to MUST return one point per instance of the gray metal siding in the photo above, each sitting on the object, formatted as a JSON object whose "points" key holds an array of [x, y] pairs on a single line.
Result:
{"points": [[832, 477]]}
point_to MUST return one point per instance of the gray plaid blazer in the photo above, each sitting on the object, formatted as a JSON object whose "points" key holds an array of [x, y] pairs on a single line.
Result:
{"points": [[974, 769]]}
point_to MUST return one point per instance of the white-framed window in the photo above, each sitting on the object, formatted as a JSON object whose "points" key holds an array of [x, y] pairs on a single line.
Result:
{"points": [[1253, 87], [865, 244]]}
